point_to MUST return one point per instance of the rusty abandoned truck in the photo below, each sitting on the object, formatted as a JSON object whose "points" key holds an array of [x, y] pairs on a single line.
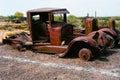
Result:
{"points": [[49, 35]]}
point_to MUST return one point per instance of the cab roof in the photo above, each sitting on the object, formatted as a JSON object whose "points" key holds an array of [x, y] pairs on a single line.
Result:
{"points": [[49, 10]]}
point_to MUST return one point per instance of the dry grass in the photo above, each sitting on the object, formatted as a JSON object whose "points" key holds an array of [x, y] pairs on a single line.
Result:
{"points": [[8, 29], [12, 26]]}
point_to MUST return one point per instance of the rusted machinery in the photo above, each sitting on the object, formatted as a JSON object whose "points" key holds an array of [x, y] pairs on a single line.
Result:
{"points": [[51, 36], [18, 41]]}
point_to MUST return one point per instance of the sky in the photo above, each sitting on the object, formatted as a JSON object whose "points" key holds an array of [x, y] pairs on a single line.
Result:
{"points": [[76, 7]]}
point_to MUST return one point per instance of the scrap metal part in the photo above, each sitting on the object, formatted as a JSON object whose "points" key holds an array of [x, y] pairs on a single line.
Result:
{"points": [[18, 41]]}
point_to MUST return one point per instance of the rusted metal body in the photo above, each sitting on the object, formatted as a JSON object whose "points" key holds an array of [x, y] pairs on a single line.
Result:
{"points": [[94, 43], [18, 41], [91, 24], [51, 36], [112, 24]]}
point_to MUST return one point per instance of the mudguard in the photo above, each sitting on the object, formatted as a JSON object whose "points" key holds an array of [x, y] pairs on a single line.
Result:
{"points": [[111, 33], [78, 43]]}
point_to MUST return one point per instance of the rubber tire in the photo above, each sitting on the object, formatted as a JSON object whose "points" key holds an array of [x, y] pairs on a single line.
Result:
{"points": [[85, 54]]}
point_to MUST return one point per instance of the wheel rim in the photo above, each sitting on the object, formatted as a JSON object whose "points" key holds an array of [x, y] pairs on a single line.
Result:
{"points": [[85, 54]]}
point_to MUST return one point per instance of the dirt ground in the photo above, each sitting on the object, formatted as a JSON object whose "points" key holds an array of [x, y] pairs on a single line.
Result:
{"points": [[28, 65]]}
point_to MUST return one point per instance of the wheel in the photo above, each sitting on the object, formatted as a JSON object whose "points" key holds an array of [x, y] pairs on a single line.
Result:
{"points": [[85, 54]]}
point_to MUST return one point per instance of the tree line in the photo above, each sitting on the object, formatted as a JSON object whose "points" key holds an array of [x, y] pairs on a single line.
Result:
{"points": [[16, 16], [76, 21]]}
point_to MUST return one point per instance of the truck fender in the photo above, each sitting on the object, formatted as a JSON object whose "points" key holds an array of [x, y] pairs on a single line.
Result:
{"points": [[77, 44], [109, 31], [111, 34]]}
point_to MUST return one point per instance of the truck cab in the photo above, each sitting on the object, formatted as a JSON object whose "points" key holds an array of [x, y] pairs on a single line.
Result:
{"points": [[46, 28]]}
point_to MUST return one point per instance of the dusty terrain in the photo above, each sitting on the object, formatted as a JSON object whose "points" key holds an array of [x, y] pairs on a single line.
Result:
{"points": [[28, 65]]}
